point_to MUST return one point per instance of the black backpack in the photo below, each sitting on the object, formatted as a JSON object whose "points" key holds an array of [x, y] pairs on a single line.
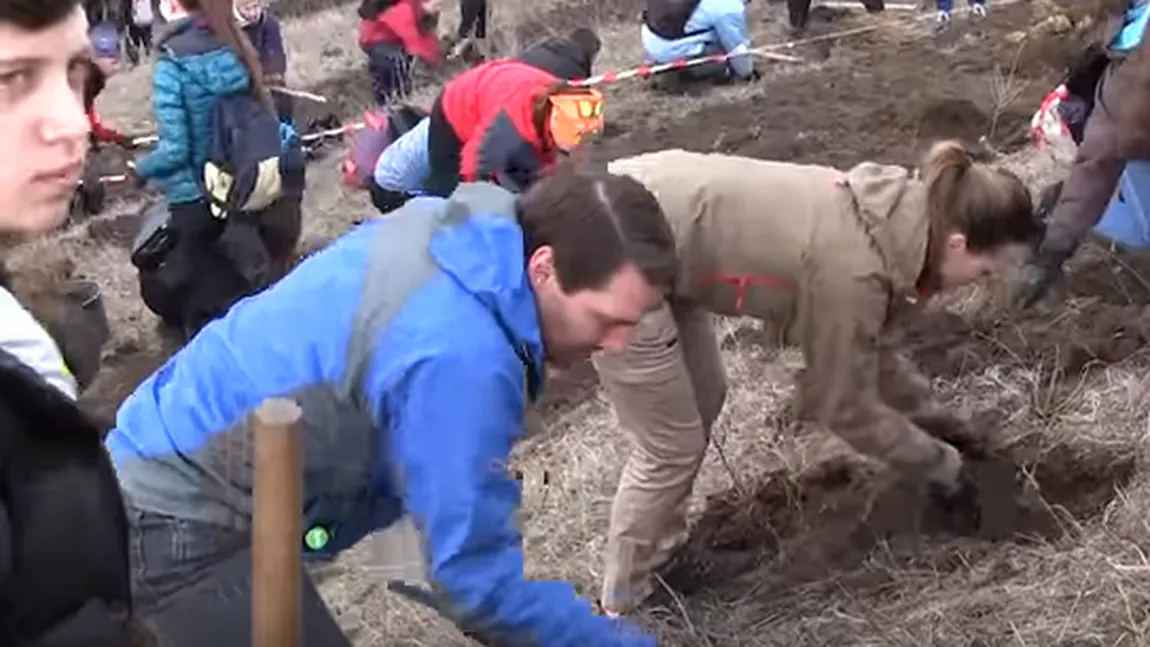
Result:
{"points": [[253, 161]]}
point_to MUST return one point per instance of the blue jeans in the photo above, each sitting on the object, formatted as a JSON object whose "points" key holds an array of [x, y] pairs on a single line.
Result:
{"points": [[191, 585], [948, 5]]}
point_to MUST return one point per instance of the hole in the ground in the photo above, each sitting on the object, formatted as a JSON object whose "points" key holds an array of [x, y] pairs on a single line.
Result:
{"points": [[833, 516]]}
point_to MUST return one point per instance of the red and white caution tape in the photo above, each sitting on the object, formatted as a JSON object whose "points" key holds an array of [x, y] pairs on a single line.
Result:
{"points": [[766, 51], [310, 137]]}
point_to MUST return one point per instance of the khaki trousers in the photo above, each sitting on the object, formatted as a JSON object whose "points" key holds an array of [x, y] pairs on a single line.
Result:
{"points": [[668, 387]]}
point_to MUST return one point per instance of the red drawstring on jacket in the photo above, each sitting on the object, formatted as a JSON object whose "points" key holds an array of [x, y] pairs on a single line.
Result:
{"points": [[741, 282]]}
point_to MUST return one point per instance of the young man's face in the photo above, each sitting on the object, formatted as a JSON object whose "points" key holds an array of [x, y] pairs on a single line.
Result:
{"points": [[43, 128], [576, 324]]}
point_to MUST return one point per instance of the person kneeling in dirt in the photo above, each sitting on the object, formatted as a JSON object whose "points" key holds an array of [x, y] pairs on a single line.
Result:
{"points": [[508, 122], [393, 33], [1110, 89], [414, 345], [203, 58], [404, 165], [684, 29], [833, 258], [567, 57], [64, 579], [104, 63]]}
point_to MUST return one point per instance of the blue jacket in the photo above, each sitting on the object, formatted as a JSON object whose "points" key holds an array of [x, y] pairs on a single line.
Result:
{"points": [[413, 347], [267, 39], [722, 26], [193, 69], [404, 164]]}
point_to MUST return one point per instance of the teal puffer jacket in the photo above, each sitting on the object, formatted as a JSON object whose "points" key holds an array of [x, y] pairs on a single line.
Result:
{"points": [[192, 70]]}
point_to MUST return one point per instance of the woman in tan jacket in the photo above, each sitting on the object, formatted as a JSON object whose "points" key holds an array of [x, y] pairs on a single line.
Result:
{"points": [[830, 258]]}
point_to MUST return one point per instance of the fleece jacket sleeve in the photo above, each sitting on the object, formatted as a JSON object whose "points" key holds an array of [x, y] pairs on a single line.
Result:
{"points": [[456, 421]]}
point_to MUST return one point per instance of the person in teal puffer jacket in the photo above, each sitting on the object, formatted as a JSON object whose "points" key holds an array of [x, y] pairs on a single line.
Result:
{"points": [[201, 57]]}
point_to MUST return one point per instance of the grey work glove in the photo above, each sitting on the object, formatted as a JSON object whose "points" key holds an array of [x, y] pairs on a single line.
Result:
{"points": [[1039, 277]]}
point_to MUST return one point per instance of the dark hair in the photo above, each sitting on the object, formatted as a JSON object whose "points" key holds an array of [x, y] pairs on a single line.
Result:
{"points": [[595, 223], [990, 206], [369, 9], [221, 18], [587, 40], [36, 14]]}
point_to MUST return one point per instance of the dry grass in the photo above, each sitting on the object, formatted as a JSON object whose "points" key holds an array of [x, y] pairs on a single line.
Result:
{"points": [[1088, 587]]}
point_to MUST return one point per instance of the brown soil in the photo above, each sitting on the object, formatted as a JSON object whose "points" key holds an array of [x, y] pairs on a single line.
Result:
{"points": [[831, 518], [871, 103]]}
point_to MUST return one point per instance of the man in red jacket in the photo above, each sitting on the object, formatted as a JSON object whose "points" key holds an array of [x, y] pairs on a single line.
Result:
{"points": [[393, 33]]}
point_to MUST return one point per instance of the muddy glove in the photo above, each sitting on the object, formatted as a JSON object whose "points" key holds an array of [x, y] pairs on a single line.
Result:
{"points": [[1039, 276], [950, 488]]}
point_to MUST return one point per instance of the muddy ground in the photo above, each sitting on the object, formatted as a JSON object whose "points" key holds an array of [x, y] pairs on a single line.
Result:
{"points": [[879, 96]]}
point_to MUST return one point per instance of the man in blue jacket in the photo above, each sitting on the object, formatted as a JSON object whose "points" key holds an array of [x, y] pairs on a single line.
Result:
{"points": [[414, 344]]}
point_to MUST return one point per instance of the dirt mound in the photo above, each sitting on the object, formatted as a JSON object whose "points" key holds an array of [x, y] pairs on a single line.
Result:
{"points": [[832, 516]]}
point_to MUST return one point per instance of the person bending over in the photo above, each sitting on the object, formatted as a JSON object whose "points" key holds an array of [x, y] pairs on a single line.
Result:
{"points": [[413, 345], [508, 122], [831, 259]]}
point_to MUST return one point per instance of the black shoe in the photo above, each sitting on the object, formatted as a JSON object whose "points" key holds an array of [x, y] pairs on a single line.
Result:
{"points": [[694, 568]]}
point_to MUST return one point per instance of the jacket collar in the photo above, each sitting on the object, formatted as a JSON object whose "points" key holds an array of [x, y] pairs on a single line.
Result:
{"points": [[893, 208], [481, 247]]}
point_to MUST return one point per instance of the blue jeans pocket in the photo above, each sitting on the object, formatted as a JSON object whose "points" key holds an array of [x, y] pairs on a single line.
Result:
{"points": [[170, 554]]}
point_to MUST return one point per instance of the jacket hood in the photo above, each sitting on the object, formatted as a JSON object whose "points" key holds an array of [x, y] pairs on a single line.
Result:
{"points": [[203, 57], [560, 56], [484, 253], [892, 205]]}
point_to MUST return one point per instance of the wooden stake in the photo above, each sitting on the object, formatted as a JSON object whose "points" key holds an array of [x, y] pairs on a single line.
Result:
{"points": [[277, 525]]}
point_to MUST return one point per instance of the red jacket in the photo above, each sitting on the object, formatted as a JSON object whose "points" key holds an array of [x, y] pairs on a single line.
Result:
{"points": [[489, 106], [104, 134], [402, 24], [93, 86]]}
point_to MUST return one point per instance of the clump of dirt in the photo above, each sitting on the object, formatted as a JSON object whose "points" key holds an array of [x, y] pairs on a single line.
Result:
{"points": [[832, 516]]}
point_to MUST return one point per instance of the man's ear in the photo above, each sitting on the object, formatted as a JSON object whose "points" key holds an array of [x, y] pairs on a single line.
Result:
{"points": [[541, 266]]}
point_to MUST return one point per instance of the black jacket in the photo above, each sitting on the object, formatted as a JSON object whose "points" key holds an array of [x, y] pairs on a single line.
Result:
{"points": [[64, 574], [563, 56]]}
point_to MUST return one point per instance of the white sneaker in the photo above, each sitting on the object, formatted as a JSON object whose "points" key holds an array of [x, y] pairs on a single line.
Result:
{"points": [[942, 20], [978, 11]]}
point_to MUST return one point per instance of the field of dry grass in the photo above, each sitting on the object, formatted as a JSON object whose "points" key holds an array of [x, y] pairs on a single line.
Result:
{"points": [[1060, 393]]}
